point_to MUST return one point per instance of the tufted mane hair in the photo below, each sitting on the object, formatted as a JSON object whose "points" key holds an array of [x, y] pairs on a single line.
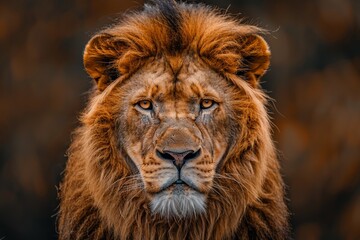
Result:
{"points": [[170, 28]]}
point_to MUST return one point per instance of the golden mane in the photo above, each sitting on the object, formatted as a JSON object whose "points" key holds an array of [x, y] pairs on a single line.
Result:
{"points": [[248, 205]]}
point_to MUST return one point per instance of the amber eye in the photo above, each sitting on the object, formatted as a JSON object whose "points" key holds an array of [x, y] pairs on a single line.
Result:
{"points": [[145, 104], [206, 103]]}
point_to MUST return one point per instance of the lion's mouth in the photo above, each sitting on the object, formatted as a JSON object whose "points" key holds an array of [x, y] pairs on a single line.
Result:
{"points": [[179, 181], [179, 186]]}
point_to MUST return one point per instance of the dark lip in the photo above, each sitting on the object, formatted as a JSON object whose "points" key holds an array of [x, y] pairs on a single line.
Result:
{"points": [[179, 181]]}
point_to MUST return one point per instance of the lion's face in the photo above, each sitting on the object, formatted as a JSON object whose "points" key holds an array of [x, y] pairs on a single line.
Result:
{"points": [[175, 128]]}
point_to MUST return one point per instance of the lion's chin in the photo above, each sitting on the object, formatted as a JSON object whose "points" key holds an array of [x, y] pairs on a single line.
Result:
{"points": [[178, 201]]}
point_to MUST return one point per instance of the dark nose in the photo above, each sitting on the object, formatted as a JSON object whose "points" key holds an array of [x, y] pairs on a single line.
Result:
{"points": [[178, 157]]}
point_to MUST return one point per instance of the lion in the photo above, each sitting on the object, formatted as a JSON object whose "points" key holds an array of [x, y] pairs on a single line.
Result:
{"points": [[175, 142]]}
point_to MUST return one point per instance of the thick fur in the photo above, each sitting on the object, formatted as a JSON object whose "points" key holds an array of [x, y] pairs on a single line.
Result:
{"points": [[104, 194]]}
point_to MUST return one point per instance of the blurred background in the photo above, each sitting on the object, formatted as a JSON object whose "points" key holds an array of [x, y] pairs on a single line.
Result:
{"points": [[314, 77]]}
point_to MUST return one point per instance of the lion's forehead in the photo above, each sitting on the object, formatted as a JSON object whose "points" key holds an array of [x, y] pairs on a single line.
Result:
{"points": [[190, 83]]}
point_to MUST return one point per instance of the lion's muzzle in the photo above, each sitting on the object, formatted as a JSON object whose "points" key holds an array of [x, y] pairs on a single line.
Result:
{"points": [[178, 141], [179, 149]]}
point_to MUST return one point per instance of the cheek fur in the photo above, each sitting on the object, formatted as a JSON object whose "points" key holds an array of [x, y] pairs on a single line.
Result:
{"points": [[137, 124], [216, 123]]}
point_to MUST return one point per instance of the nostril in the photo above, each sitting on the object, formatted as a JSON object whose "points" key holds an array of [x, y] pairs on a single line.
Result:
{"points": [[178, 158], [165, 155], [192, 155]]}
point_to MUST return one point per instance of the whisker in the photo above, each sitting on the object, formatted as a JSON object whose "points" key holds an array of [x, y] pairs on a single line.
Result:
{"points": [[131, 180]]}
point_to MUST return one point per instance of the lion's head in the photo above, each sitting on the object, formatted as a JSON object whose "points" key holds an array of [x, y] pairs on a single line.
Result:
{"points": [[176, 130], [176, 125]]}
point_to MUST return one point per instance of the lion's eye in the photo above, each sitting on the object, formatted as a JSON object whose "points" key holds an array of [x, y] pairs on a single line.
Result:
{"points": [[145, 104], [206, 103]]}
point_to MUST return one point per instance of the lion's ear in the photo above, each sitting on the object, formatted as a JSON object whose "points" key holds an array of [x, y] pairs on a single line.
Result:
{"points": [[255, 58], [100, 57]]}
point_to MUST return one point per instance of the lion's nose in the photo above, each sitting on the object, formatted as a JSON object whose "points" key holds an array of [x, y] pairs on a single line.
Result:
{"points": [[178, 157]]}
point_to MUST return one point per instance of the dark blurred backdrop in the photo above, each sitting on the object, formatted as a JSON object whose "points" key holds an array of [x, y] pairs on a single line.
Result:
{"points": [[314, 77]]}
